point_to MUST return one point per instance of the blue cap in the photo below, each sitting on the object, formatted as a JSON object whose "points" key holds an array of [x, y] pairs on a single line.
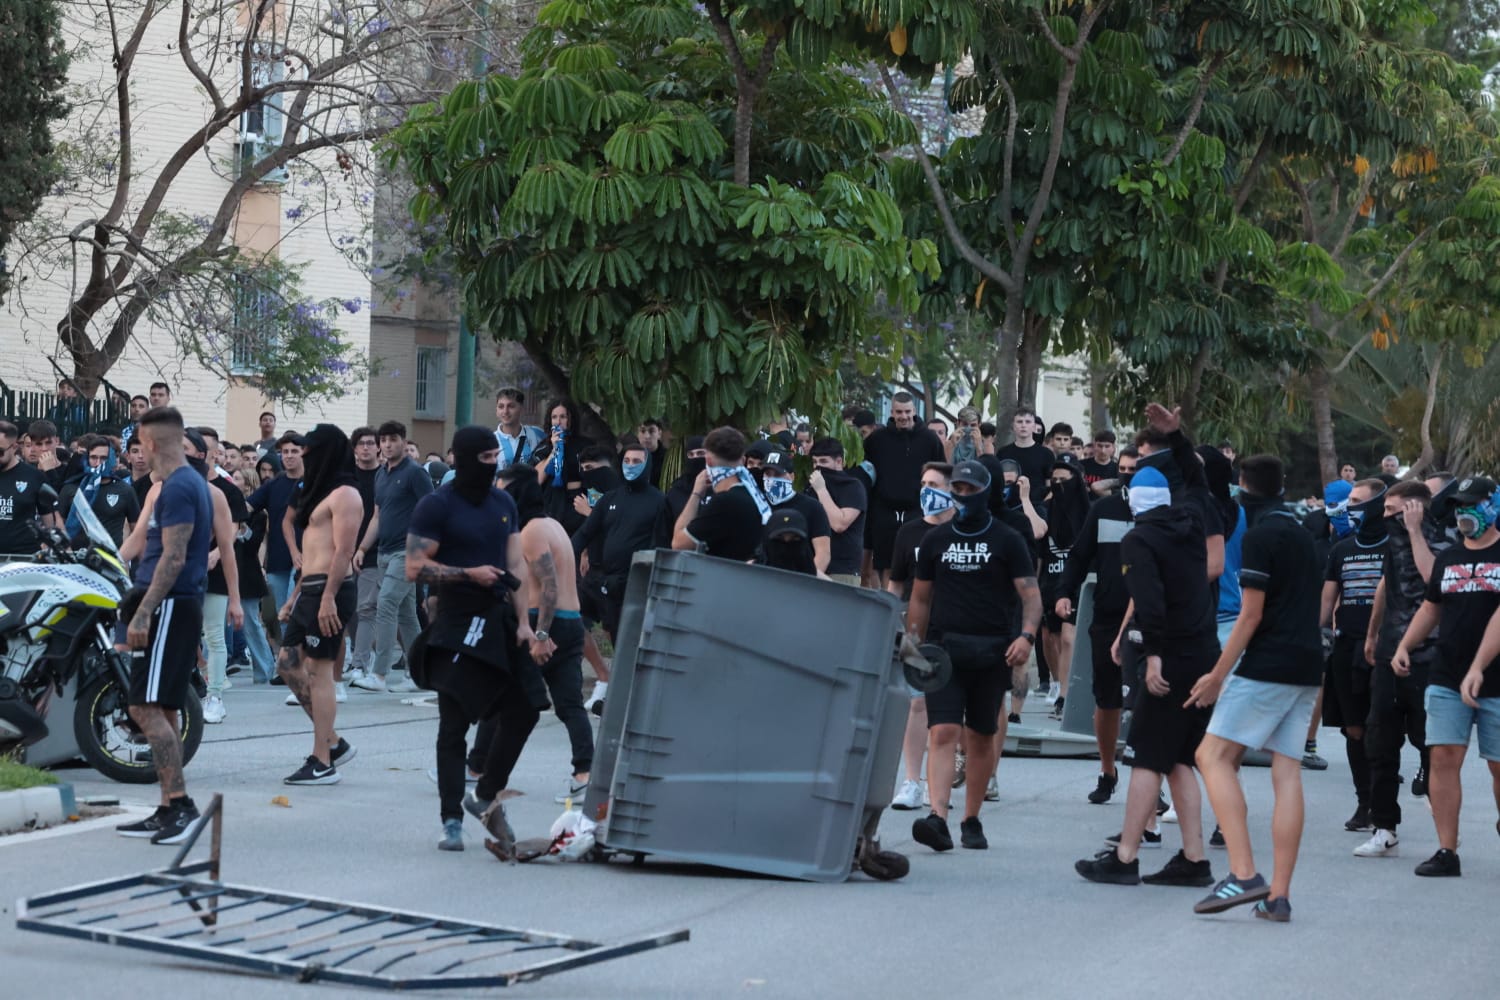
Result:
{"points": [[1337, 492]]}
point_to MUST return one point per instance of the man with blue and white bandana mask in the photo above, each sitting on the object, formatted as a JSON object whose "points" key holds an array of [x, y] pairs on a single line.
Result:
{"points": [[777, 477], [726, 513]]}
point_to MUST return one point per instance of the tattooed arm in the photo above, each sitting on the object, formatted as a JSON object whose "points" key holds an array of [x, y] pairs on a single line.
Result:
{"points": [[1031, 620], [515, 561], [537, 549], [421, 567], [174, 543]]}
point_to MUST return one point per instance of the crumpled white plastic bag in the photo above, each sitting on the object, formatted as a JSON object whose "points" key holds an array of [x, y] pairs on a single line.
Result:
{"points": [[572, 836]]}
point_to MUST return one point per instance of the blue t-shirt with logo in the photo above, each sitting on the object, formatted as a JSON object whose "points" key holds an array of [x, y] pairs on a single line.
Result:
{"points": [[182, 499], [1229, 582]]}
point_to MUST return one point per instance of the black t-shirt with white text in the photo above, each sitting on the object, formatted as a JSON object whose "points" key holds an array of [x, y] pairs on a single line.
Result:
{"points": [[1357, 570], [23, 498], [1465, 586], [728, 525], [973, 578], [1277, 558], [115, 504]]}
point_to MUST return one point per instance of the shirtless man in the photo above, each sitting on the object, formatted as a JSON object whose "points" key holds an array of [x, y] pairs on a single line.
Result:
{"points": [[328, 512], [552, 596]]}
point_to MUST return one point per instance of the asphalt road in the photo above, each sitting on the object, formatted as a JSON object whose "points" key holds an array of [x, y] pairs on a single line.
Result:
{"points": [[1011, 920]]}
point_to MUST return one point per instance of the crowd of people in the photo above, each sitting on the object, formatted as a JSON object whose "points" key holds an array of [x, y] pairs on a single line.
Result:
{"points": [[1222, 618]]}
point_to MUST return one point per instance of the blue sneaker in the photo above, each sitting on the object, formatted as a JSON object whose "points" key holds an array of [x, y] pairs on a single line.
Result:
{"points": [[453, 835], [1232, 892], [1278, 909]]}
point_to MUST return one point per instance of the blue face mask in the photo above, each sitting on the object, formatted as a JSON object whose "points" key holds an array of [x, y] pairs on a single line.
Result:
{"points": [[934, 501], [1342, 520], [779, 490], [632, 472], [1474, 521]]}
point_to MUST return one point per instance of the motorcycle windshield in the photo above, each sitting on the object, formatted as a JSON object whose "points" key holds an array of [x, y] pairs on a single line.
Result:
{"points": [[94, 529]]}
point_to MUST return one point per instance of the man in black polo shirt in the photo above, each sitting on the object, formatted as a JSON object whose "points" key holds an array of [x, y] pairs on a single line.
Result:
{"points": [[898, 454], [113, 502], [24, 496], [972, 573], [1034, 457], [1275, 652], [726, 514], [844, 501], [777, 476]]}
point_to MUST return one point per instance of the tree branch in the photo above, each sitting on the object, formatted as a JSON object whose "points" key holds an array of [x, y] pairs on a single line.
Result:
{"points": [[1309, 227], [1376, 289], [945, 212], [1007, 169], [185, 52], [1068, 55], [1360, 194], [725, 32], [1425, 459], [1242, 193], [1195, 108]]}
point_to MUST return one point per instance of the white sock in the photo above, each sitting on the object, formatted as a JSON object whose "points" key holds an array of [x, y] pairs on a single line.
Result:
{"points": [[600, 687]]}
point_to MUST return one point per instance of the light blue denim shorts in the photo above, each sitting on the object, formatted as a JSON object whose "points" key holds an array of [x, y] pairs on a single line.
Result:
{"points": [[1450, 722], [1261, 715]]}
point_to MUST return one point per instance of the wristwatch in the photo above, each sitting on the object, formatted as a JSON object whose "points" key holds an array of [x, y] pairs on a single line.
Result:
{"points": [[541, 635], [1029, 637]]}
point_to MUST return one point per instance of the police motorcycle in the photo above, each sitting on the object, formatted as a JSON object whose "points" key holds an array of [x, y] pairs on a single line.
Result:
{"points": [[64, 688]]}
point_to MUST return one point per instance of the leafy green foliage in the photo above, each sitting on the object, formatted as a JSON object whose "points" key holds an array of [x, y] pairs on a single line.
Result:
{"points": [[588, 204], [34, 65]]}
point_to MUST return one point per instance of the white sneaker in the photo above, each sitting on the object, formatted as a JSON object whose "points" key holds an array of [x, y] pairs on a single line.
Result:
{"points": [[213, 710], [573, 791], [992, 790], [353, 674], [1170, 816], [341, 692], [291, 699], [369, 682], [404, 686], [1054, 691], [909, 796], [1384, 844]]}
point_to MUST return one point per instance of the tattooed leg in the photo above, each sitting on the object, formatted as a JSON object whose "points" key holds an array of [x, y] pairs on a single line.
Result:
{"points": [[290, 666], [166, 749]]}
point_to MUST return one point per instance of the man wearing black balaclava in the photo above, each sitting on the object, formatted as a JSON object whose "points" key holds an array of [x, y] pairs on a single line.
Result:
{"points": [[464, 542], [1067, 508], [329, 512], [1354, 571], [681, 490], [975, 580]]}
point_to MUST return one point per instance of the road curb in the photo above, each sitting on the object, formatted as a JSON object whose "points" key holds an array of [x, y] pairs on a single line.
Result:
{"points": [[36, 808]]}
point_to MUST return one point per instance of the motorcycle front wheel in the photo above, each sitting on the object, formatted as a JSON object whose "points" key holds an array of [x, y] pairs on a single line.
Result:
{"points": [[112, 743]]}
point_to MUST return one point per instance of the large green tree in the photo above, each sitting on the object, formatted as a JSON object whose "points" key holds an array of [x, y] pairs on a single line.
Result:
{"points": [[678, 211], [34, 66]]}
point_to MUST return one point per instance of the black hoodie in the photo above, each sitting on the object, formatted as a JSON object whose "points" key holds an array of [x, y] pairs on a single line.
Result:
{"points": [[1098, 549], [1165, 564], [631, 518]]}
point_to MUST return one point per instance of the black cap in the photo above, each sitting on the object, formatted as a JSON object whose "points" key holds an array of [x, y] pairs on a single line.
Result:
{"points": [[787, 522], [780, 461], [973, 473], [191, 433], [695, 442], [1473, 490], [1067, 460], [759, 449]]}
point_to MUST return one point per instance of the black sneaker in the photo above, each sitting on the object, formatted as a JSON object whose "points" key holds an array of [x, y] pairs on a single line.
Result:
{"points": [[1107, 867], [931, 832], [1443, 864], [1105, 789], [1150, 838], [1217, 840], [313, 772], [1057, 709], [1181, 871], [180, 822], [1233, 892], [1419, 783], [1013, 719], [971, 834], [342, 753], [1162, 805], [1360, 821], [145, 828]]}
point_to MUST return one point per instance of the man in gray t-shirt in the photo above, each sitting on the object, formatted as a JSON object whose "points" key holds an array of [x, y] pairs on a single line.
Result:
{"points": [[399, 484]]}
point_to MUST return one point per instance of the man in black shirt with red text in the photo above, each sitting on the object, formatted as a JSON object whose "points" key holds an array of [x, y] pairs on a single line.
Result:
{"points": [[971, 574]]}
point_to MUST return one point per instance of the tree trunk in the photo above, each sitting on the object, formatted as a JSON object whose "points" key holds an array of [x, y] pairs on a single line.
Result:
{"points": [[1007, 360], [560, 383], [1098, 405], [1328, 458], [1425, 460], [1189, 401], [744, 119], [1033, 345]]}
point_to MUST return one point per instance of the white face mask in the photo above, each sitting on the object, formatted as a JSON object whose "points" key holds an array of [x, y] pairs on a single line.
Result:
{"points": [[1146, 498]]}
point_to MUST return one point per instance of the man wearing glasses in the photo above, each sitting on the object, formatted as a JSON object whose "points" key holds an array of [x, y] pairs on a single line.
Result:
{"points": [[113, 500]]}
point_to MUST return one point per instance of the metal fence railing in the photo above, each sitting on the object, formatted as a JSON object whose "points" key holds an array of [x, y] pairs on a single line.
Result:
{"points": [[73, 415]]}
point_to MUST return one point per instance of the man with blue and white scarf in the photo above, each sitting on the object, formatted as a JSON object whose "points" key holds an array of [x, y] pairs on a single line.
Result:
{"points": [[726, 512]]}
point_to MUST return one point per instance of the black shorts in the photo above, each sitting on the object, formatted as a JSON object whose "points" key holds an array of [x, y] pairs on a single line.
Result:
{"points": [[1163, 733], [1108, 678], [303, 630], [884, 523], [602, 604], [975, 695], [162, 673], [1050, 595], [1346, 698]]}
